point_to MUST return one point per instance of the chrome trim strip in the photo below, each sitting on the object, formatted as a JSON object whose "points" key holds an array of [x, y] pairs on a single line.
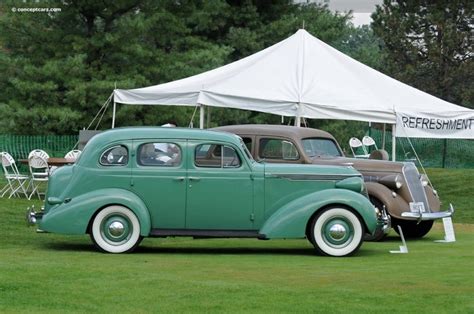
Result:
{"points": [[312, 177]]}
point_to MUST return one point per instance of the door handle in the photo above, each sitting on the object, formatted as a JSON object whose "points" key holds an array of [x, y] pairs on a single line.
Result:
{"points": [[194, 178], [179, 178]]}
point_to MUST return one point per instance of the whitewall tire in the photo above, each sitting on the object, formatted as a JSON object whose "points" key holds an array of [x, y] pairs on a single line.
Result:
{"points": [[116, 229], [336, 231]]}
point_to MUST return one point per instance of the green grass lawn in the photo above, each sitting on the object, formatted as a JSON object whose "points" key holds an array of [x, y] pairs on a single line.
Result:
{"points": [[455, 186], [56, 273]]}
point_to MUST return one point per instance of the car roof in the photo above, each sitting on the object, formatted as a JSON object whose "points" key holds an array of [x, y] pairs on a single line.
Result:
{"points": [[275, 130], [127, 133]]}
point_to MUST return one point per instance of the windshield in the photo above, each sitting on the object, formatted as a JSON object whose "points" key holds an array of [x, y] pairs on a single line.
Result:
{"points": [[320, 147], [246, 150]]}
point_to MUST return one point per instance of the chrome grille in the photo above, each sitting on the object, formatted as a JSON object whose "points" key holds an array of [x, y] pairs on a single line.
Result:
{"points": [[417, 191]]}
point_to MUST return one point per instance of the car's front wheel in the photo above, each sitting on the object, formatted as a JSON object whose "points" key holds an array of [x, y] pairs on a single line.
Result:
{"points": [[336, 231], [412, 229], [116, 229]]}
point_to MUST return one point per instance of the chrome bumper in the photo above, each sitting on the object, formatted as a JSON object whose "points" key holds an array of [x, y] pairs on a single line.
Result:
{"points": [[420, 216], [33, 216], [384, 223]]}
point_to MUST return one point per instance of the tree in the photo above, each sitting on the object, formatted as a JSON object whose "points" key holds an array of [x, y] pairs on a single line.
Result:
{"points": [[59, 67], [429, 45]]}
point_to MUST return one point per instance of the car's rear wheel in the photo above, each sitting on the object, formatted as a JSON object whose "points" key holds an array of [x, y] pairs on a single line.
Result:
{"points": [[412, 229], [116, 229], [336, 231]]}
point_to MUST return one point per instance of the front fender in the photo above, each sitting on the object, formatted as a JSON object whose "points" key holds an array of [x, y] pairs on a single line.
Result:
{"points": [[394, 203], [74, 216], [290, 221]]}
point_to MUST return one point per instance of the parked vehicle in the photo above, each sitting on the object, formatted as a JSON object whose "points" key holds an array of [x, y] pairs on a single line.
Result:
{"points": [[396, 187], [131, 183]]}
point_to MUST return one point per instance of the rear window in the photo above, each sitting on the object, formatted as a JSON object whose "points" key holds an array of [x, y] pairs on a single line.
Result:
{"points": [[115, 156]]}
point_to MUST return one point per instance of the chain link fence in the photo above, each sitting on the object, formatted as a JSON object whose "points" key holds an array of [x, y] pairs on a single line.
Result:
{"points": [[433, 153], [19, 146]]}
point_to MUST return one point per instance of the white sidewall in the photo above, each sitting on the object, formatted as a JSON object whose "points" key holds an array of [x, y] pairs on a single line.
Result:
{"points": [[329, 214], [97, 234]]}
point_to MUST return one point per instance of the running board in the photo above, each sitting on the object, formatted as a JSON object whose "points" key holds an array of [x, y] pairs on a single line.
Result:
{"points": [[203, 233]]}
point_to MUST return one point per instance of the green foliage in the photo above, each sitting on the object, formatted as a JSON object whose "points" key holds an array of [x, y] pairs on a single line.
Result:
{"points": [[429, 45], [59, 68]]}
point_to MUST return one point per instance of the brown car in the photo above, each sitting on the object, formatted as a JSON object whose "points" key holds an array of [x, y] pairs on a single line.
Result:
{"points": [[394, 187]]}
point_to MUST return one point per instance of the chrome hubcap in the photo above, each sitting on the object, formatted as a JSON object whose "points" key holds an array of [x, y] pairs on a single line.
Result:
{"points": [[337, 231], [116, 229]]}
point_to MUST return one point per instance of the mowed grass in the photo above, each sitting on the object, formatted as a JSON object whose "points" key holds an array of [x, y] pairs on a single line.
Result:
{"points": [[455, 186], [53, 273]]}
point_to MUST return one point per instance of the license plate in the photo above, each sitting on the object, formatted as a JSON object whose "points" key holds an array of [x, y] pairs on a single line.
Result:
{"points": [[417, 207]]}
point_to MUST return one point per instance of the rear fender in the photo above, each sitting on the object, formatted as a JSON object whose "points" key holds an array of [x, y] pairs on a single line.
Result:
{"points": [[73, 217], [290, 221]]}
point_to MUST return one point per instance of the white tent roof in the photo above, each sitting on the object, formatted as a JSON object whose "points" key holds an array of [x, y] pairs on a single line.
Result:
{"points": [[299, 76]]}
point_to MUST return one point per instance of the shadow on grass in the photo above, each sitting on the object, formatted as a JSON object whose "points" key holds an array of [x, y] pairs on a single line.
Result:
{"points": [[70, 247], [75, 247]]}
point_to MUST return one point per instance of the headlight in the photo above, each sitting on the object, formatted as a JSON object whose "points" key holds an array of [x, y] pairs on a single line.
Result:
{"points": [[424, 179], [392, 181]]}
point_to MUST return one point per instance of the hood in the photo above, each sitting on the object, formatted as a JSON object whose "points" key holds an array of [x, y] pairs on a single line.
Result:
{"points": [[362, 164]]}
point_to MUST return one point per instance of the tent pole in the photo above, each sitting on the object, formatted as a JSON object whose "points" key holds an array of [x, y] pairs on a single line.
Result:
{"points": [[113, 114], [394, 142], [383, 137], [298, 116], [201, 116]]}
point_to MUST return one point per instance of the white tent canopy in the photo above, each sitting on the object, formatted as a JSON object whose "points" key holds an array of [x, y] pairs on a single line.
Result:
{"points": [[302, 76]]}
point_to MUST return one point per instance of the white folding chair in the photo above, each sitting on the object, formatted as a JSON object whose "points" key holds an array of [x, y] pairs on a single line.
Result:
{"points": [[367, 141], [357, 146], [15, 181], [39, 171], [73, 154], [38, 152]]}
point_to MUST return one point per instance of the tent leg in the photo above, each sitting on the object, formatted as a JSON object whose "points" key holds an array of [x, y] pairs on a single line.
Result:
{"points": [[201, 116], [394, 142], [113, 115], [298, 116], [383, 137]]}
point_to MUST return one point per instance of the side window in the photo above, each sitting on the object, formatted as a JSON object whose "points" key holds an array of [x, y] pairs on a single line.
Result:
{"points": [[159, 154], [273, 148], [216, 156], [248, 143], [115, 156]]}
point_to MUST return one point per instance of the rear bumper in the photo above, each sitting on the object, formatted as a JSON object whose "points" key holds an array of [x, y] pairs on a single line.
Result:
{"points": [[421, 216], [33, 217]]}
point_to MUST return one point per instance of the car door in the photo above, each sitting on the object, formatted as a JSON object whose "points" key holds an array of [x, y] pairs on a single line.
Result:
{"points": [[220, 188], [159, 178]]}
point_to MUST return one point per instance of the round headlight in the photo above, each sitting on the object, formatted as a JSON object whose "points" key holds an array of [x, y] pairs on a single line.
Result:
{"points": [[398, 184], [424, 180]]}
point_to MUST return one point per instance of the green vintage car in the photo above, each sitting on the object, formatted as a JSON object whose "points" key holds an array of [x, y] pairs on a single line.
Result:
{"points": [[131, 183]]}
